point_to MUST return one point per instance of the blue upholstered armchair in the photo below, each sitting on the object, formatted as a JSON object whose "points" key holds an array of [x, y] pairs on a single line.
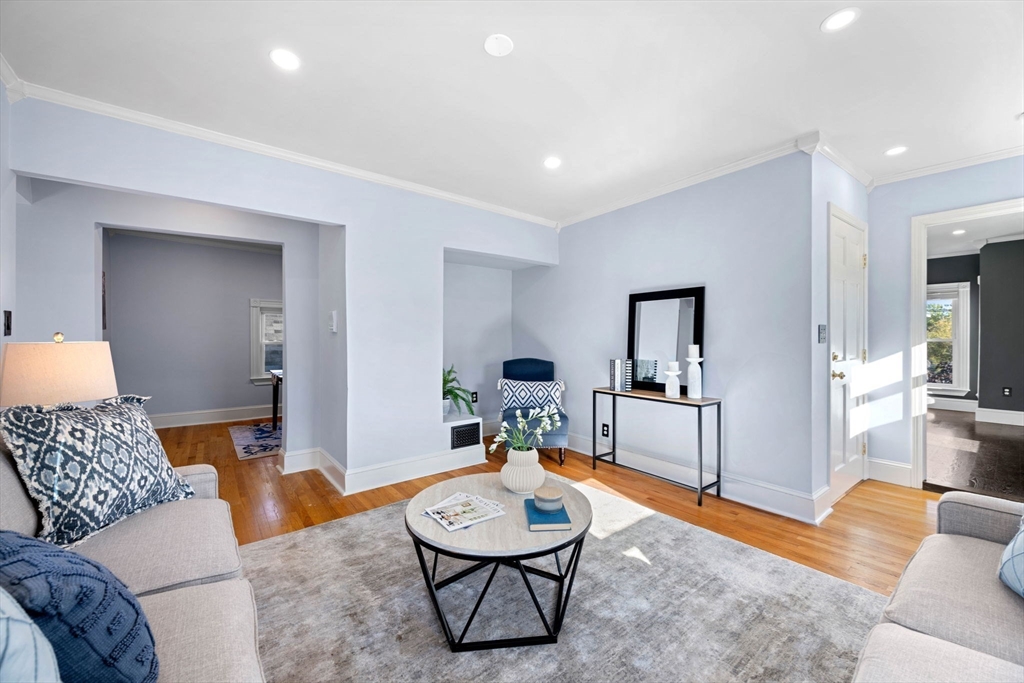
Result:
{"points": [[536, 370]]}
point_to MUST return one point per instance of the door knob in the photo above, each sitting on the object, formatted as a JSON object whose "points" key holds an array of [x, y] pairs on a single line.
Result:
{"points": [[835, 356], [838, 375]]}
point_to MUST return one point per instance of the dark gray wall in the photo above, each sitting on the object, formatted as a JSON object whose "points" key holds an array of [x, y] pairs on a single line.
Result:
{"points": [[962, 269], [178, 321], [1002, 326]]}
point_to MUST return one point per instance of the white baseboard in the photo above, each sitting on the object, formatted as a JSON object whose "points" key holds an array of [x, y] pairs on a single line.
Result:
{"points": [[959, 404], [491, 427], [1003, 417], [890, 471], [205, 417], [779, 500], [297, 461]]}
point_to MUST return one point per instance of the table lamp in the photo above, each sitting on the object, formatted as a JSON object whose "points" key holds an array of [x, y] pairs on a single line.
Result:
{"points": [[58, 372]]}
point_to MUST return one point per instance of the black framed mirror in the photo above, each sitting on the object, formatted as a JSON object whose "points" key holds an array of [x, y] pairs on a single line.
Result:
{"points": [[661, 326]]}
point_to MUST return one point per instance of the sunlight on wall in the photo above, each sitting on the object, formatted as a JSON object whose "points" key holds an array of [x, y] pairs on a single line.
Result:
{"points": [[919, 401], [876, 413], [876, 374], [919, 360]]}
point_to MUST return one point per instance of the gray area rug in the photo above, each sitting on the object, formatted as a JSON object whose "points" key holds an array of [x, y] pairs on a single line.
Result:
{"points": [[655, 599]]}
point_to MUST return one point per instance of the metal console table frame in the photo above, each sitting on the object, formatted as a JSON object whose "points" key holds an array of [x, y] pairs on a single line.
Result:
{"points": [[700, 404]]}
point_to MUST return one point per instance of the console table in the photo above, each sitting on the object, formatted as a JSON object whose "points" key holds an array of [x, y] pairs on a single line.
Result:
{"points": [[699, 404]]}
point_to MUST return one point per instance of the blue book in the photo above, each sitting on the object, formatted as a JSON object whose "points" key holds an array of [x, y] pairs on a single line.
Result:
{"points": [[538, 520]]}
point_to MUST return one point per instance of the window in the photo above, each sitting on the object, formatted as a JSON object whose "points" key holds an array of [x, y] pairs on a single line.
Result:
{"points": [[947, 319], [266, 339]]}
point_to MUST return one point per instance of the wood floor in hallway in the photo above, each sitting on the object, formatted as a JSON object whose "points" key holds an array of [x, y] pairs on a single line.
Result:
{"points": [[867, 540]]}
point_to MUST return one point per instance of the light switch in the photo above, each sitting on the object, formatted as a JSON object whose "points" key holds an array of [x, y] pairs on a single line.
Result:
{"points": [[332, 321]]}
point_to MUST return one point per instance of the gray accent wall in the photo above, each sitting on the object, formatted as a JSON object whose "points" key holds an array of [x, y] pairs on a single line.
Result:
{"points": [[478, 330], [178, 321], [965, 268], [8, 200], [1002, 326]]}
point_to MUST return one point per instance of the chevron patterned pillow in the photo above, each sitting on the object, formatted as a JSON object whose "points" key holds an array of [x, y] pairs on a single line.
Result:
{"points": [[87, 468], [517, 394]]}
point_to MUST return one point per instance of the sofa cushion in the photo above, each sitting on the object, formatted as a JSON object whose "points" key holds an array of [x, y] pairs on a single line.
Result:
{"points": [[97, 628], [87, 468], [25, 653], [951, 590], [894, 654], [185, 543], [519, 394], [206, 633], [17, 511]]}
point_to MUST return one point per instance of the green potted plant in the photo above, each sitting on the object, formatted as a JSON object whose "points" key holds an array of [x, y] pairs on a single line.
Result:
{"points": [[452, 392]]}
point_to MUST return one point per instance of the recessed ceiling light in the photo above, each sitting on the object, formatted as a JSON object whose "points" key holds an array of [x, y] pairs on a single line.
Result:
{"points": [[498, 45], [285, 59], [959, 232], [840, 20], [552, 163], [895, 151]]}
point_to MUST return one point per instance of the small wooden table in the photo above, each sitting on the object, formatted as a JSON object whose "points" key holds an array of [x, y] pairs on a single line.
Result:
{"points": [[505, 540], [698, 403]]}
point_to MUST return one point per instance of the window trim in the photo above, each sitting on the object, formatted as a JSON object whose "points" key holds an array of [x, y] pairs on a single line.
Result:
{"points": [[960, 293], [257, 307]]}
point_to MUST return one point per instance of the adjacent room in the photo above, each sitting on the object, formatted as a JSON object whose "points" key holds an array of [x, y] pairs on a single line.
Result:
{"points": [[724, 300]]}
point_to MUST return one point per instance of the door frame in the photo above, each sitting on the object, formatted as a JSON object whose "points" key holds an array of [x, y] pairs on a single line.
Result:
{"points": [[835, 212], [919, 226]]}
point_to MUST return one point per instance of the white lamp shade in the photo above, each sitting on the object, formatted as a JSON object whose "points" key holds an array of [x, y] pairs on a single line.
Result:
{"points": [[48, 373]]}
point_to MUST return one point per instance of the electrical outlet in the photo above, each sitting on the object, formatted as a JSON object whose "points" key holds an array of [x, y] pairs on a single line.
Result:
{"points": [[604, 430], [822, 334], [474, 397], [1007, 391]]}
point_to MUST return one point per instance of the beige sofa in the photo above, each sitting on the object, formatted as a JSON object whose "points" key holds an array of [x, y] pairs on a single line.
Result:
{"points": [[181, 560], [950, 617]]}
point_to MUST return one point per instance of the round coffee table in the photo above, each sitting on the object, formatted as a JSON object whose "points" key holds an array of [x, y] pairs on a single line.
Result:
{"points": [[505, 540]]}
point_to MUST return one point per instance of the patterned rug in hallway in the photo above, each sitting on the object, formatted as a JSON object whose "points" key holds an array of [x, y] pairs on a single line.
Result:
{"points": [[655, 599], [255, 441]]}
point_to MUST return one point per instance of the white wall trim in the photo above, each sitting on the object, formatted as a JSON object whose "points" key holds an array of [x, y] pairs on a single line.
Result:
{"points": [[491, 427], [950, 165], [947, 403], [205, 417], [375, 476], [289, 462], [757, 494], [890, 472], [919, 226], [815, 142], [1003, 417], [17, 89]]}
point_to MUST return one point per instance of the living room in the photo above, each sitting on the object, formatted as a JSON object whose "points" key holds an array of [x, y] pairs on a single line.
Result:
{"points": [[505, 192]]}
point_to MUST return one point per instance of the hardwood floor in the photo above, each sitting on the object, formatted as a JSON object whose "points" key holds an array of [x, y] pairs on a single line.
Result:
{"points": [[867, 540], [980, 457]]}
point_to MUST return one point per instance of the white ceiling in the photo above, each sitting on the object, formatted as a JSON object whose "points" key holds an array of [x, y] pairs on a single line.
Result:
{"points": [[634, 97], [977, 232]]}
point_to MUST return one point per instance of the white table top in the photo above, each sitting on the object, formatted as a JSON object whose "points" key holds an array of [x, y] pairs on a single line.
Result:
{"points": [[505, 536]]}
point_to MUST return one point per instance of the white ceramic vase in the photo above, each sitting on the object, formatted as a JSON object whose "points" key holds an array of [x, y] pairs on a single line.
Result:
{"points": [[694, 378], [523, 472], [672, 383], [446, 405]]}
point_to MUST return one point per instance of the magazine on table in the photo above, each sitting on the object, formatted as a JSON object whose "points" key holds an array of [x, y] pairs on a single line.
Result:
{"points": [[461, 510]]}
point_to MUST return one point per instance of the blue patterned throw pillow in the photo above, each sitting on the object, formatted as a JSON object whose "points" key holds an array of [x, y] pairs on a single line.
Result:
{"points": [[87, 468], [1011, 567], [95, 625], [519, 394]]}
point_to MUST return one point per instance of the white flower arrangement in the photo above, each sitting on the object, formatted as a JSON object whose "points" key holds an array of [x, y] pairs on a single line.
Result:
{"points": [[520, 437]]}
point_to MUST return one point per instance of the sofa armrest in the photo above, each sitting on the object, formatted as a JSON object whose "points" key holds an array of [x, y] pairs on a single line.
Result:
{"points": [[984, 517], [202, 478]]}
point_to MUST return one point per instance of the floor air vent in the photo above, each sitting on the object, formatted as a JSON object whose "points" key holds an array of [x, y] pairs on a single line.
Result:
{"points": [[465, 435]]}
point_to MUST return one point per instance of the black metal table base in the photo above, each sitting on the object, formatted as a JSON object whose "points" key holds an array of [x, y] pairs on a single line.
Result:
{"points": [[563, 577]]}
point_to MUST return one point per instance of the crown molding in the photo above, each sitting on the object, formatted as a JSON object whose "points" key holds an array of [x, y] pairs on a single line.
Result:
{"points": [[816, 142], [689, 180], [15, 86], [18, 89], [951, 165]]}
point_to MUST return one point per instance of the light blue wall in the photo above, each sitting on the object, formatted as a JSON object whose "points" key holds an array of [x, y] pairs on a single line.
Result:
{"points": [[178, 321], [747, 238], [393, 251], [8, 200], [890, 210], [333, 345], [829, 184], [478, 330]]}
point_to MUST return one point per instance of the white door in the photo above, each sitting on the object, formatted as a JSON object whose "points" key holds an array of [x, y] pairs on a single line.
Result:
{"points": [[848, 346]]}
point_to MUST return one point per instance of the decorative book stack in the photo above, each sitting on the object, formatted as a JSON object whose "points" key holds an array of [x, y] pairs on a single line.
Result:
{"points": [[540, 520], [621, 375]]}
